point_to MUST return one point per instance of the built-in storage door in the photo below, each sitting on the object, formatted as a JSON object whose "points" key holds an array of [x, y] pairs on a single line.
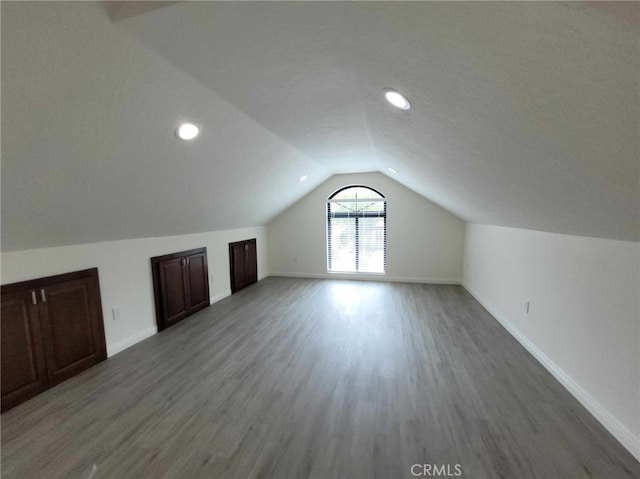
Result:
{"points": [[180, 285], [172, 282], [243, 262], [238, 280], [251, 262], [198, 281], [52, 329], [69, 317], [23, 367]]}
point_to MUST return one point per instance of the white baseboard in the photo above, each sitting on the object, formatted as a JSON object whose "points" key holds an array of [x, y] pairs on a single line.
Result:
{"points": [[219, 297], [615, 427], [373, 277], [226, 293], [130, 341]]}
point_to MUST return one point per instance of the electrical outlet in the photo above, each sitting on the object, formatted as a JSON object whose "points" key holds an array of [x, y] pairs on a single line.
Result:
{"points": [[115, 312]]}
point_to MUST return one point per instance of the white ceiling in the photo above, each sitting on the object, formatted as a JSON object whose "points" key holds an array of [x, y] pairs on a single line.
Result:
{"points": [[524, 114], [88, 146]]}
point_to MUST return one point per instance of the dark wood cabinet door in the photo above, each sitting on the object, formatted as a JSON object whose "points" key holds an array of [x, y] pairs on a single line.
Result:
{"points": [[71, 320], [180, 285], [52, 329], [197, 281], [251, 262], [23, 367], [243, 263], [238, 276], [173, 290]]}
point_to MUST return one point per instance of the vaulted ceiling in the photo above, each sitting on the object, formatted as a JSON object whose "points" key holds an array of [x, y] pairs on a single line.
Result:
{"points": [[523, 114]]}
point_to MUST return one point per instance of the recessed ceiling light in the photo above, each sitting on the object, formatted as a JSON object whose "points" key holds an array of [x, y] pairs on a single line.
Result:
{"points": [[302, 178], [396, 99], [187, 131], [392, 170]]}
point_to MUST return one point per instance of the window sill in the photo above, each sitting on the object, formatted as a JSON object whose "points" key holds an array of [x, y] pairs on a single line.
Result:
{"points": [[359, 273]]}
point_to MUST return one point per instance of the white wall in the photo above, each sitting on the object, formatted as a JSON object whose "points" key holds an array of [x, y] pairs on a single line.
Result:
{"points": [[125, 274], [424, 241], [584, 321]]}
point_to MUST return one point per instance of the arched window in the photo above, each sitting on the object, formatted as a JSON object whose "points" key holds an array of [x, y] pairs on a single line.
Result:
{"points": [[356, 230]]}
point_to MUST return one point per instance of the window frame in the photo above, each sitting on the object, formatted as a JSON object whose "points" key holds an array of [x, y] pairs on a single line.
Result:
{"points": [[329, 216]]}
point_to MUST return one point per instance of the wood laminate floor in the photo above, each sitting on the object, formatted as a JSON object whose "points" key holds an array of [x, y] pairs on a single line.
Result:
{"points": [[299, 378]]}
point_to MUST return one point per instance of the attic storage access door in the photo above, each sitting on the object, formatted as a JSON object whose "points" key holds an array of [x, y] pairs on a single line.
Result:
{"points": [[52, 329], [243, 262], [180, 284]]}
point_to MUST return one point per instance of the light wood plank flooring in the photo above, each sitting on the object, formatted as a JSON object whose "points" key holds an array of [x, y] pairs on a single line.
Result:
{"points": [[299, 378]]}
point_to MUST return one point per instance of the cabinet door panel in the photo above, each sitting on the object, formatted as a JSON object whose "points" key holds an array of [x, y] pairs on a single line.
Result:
{"points": [[172, 285], [72, 327], [243, 263], [239, 276], [180, 285], [251, 262], [23, 367], [198, 281]]}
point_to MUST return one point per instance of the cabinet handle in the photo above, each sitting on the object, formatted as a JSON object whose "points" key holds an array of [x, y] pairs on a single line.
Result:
{"points": [[34, 300], [188, 262], [43, 296]]}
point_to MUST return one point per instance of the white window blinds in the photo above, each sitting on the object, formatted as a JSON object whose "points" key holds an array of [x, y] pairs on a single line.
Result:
{"points": [[356, 231]]}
